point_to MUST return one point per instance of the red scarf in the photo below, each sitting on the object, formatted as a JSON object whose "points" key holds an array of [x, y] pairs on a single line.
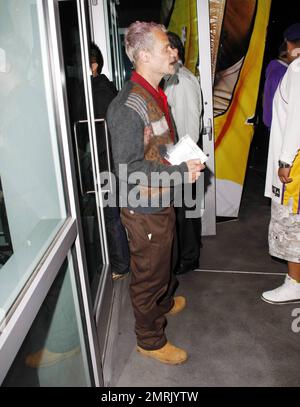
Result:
{"points": [[159, 96]]}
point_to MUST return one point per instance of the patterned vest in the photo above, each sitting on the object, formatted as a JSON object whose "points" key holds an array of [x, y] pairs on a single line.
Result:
{"points": [[156, 131]]}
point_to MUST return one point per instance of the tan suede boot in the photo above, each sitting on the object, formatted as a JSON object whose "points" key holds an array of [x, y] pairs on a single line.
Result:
{"points": [[45, 358], [179, 305], [167, 354]]}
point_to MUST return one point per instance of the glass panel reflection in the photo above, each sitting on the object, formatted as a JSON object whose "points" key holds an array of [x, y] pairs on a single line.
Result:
{"points": [[29, 161], [53, 352]]}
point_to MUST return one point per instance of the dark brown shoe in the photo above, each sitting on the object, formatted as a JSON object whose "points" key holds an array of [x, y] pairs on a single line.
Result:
{"points": [[184, 268]]}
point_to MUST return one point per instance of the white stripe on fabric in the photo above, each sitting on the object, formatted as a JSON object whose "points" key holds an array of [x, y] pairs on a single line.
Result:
{"points": [[138, 104]]}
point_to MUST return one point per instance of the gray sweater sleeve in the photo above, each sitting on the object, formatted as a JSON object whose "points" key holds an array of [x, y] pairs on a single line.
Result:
{"points": [[127, 141]]}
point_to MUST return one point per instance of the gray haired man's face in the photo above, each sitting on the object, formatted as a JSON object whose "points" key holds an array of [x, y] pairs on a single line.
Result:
{"points": [[162, 56]]}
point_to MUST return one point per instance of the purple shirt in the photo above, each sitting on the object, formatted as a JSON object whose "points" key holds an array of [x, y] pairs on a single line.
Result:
{"points": [[274, 72]]}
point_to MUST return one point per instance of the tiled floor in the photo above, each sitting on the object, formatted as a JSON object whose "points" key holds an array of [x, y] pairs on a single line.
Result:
{"points": [[233, 338]]}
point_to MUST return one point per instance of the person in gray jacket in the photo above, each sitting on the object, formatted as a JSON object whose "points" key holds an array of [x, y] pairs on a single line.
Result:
{"points": [[184, 97], [140, 126]]}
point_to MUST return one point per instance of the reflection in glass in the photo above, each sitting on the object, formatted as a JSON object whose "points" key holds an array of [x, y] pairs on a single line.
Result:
{"points": [[53, 352], [29, 160]]}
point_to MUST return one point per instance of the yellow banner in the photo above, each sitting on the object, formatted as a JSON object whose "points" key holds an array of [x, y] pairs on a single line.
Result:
{"points": [[236, 85], [184, 23], [235, 97]]}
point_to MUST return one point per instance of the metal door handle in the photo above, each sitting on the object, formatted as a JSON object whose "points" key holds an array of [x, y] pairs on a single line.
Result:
{"points": [[208, 129], [109, 190], [107, 155]]}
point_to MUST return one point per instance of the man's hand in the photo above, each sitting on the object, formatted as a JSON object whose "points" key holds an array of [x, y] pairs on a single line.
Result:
{"points": [[283, 174], [195, 167]]}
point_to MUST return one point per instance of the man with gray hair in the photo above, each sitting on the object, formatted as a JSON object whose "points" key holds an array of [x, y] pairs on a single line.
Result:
{"points": [[140, 126]]}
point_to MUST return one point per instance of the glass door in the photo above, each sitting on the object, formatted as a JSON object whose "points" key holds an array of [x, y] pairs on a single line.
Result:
{"points": [[90, 155], [39, 295]]}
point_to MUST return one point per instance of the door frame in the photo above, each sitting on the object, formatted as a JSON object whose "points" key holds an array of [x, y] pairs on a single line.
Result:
{"points": [[104, 299], [57, 60], [205, 69]]}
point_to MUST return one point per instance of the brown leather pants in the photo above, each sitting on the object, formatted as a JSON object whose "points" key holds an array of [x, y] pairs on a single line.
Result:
{"points": [[152, 284]]}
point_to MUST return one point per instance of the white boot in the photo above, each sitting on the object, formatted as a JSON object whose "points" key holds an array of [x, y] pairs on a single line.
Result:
{"points": [[287, 293]]}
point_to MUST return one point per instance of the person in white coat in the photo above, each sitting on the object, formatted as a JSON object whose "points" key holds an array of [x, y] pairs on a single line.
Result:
{"points": [[185, 100], [283, 175]]}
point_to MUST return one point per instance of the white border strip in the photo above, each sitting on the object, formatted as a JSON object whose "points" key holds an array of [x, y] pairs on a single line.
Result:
{"points": [[241, 272]]}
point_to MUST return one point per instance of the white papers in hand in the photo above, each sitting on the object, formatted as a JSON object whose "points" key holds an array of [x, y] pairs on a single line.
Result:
{"points": [[186, 149]]}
